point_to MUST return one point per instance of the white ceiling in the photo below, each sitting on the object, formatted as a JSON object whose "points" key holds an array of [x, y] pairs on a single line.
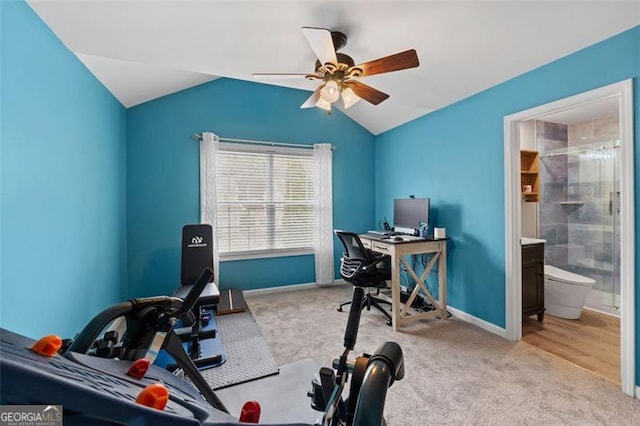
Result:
{"points": [[142, 49]]}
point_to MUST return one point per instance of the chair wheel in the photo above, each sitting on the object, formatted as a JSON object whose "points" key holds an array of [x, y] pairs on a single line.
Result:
{"points": [[389, 323]]}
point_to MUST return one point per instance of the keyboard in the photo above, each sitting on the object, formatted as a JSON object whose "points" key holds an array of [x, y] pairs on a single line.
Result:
{"points": [[379, 234], [411, 238]]}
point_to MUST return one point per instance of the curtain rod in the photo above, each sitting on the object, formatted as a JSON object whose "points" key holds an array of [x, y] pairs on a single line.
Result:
{"points": [[198, 137]]}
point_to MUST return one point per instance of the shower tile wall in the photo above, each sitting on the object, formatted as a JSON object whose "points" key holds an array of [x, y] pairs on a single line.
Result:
{"points": [[552, 137]]}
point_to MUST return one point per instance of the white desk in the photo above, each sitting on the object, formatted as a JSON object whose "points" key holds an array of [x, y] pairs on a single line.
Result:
{"points": [[397, 250]]}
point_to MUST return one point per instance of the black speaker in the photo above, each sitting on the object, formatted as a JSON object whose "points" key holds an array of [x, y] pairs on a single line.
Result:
{"points": [[197, 251]]}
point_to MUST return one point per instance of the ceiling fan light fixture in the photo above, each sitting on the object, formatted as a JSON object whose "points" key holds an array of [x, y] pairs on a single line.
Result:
{"points": [[330, 92], [339, 75], [323, 104], [349, 97]]}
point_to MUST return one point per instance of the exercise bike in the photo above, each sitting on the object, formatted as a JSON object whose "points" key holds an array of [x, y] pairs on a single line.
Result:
{"points": [[98, 376]]}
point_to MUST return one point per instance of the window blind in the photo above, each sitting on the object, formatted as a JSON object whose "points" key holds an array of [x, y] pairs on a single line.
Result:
{"points": [[266, 199]]}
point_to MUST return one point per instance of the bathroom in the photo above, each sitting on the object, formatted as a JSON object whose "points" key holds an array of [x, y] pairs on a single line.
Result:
{"points": [[576, 214]]}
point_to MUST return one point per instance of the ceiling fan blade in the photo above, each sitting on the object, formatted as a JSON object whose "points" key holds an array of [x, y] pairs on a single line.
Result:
{"points": [[395, 62], [283, 76], [321, 43], [311, 102], [368, 93]]}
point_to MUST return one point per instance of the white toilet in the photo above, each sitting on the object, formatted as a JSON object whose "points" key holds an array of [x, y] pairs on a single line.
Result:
{"points": [[565, 293]]}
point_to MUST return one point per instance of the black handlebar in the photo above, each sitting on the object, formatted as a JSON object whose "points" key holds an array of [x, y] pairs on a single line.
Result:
{"points": [[384, 366], [353, 322], [176, 306], [82, 343], [391, 354], [191, 298]]}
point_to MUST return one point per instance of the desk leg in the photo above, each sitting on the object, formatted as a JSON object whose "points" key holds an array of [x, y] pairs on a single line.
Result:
{"points": [[442, 279], [395, 292]]}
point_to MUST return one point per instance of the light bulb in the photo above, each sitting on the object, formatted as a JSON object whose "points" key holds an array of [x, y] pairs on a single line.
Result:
{"points": [[349, 97], [330, 92]]}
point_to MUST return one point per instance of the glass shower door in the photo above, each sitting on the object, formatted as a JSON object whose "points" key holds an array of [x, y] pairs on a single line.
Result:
{"points": [[579, 211], [594, 227]]}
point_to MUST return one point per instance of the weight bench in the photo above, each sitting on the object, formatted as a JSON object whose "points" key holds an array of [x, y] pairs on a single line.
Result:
{"points": [[197, 254]]}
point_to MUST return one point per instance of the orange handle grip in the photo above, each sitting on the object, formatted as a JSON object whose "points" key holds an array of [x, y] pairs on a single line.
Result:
{"points": [[154, 396], [48, 345]]}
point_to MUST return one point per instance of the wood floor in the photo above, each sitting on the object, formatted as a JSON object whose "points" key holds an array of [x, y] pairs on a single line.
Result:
{"points": [[592, 342]]}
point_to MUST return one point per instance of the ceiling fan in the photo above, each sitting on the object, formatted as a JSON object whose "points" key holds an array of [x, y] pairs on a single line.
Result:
{"points": [[339, 75]]}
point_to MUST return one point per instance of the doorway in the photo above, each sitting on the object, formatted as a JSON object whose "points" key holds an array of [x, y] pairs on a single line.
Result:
{"points": [[620, 199]]}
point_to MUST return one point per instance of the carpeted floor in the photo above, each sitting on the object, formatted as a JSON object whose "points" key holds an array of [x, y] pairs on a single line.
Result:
{"points": [[456, 373]]}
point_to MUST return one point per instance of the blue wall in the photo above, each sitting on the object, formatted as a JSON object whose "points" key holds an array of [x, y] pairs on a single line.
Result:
{"points": [[458, 161], [163, 175], [63, 182]]}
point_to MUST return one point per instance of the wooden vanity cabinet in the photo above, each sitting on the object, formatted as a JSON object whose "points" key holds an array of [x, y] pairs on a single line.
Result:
{"points": [[533, 280]]}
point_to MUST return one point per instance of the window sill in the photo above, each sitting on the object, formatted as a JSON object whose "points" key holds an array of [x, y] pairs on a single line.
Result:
{"points": [[226, 257]]}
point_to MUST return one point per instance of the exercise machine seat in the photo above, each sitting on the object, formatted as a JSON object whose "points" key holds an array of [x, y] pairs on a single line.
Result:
{"points": [[197, 254]]}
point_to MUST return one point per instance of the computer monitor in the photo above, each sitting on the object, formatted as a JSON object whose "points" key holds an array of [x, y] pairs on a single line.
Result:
{"points": [[409, 214]]}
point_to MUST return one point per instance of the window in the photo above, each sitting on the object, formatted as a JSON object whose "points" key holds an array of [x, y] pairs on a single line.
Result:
{"points": [[265, 200]]}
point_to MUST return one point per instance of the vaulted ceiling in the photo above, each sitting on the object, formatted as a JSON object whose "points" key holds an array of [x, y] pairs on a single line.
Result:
{"points": [[141, 50]]}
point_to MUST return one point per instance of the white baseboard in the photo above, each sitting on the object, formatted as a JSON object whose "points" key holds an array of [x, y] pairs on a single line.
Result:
{"points": [[637, 395], [491, 328], [288, 288]]}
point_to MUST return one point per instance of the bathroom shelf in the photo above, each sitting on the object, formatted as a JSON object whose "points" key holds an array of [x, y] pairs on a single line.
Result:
{"points": [[529, 175], [571, 206]]}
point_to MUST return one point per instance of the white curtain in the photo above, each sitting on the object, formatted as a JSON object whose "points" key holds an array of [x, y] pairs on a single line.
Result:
{"points": [[208, 155], [323, 166]]}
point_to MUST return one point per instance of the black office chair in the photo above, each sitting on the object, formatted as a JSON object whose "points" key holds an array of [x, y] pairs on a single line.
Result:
{"points": [[362, 268]]}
